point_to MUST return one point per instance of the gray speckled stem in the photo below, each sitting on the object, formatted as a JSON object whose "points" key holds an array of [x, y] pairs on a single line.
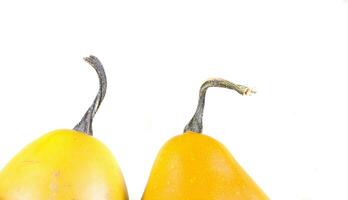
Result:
{"points": [[196, 123], [85, 125]]}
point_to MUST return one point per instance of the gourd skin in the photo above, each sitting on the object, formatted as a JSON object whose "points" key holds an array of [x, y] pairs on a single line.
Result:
{"points": [[63, 165], [193, 166]]}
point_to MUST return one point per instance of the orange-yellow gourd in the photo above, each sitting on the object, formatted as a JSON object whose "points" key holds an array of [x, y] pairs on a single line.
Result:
{"points": [[193, 166], [66, 164]]}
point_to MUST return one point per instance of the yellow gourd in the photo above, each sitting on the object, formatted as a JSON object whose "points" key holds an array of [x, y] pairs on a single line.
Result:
{"points": [[66, 164], [193, 166]]}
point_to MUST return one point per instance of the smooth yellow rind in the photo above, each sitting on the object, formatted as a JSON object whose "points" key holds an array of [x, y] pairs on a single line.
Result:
{"points": [[63, 165]]}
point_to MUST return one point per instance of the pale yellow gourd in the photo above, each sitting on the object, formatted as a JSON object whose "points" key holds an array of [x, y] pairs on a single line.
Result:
{"points": [[66, 164]]}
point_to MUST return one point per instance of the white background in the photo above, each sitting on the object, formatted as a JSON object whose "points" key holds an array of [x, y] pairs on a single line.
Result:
{"points": [[291, 136]]}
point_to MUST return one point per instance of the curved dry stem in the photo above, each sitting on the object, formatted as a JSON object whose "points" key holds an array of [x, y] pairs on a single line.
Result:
{"points": [[85, 125], [196, 123]]}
